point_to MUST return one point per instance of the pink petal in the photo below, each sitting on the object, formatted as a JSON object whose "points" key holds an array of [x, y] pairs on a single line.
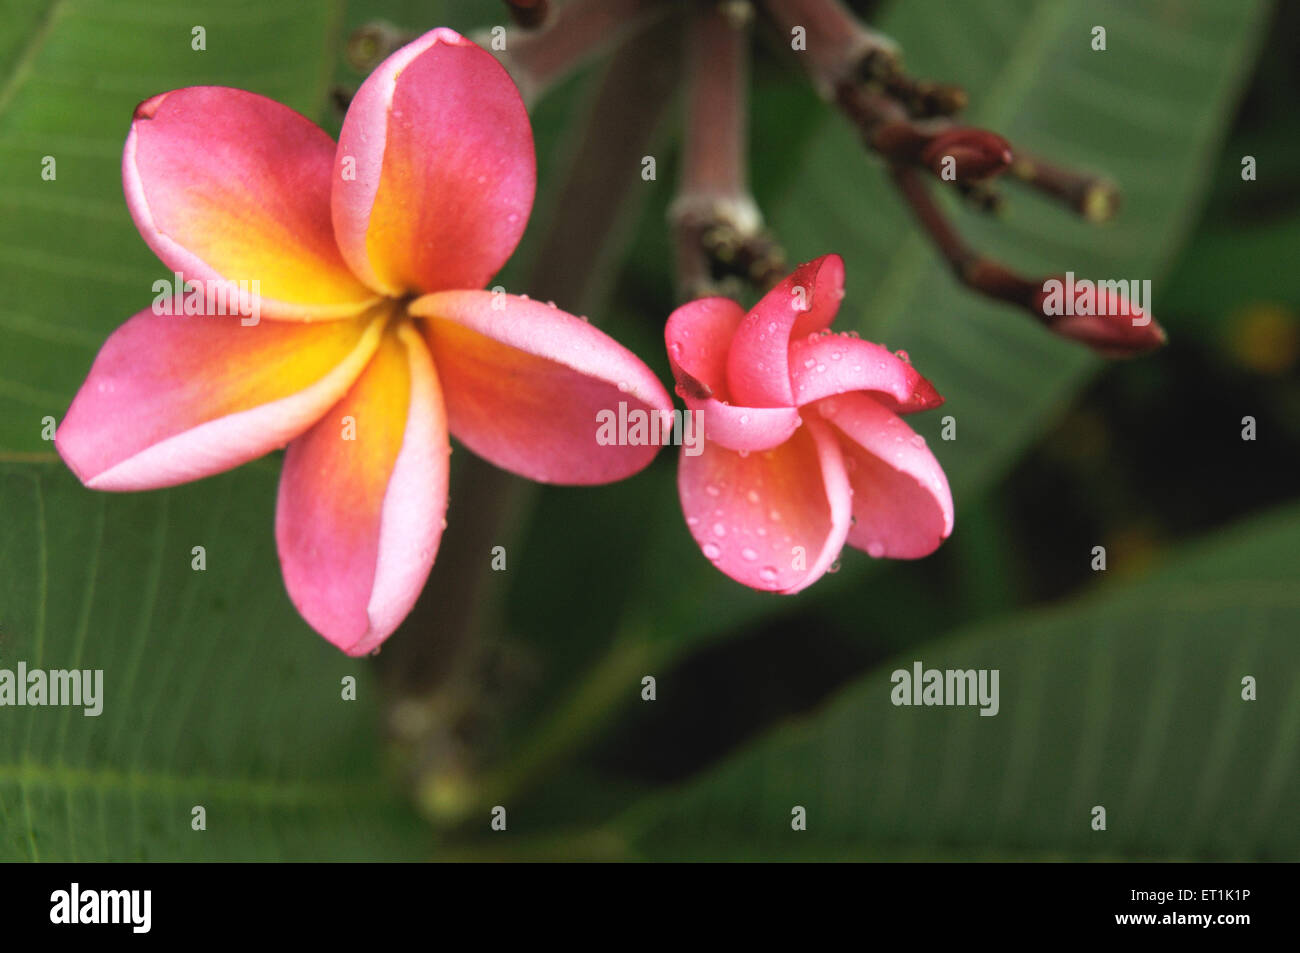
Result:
{"points": [[901, 501], [531, 388], [434, 175], [758, 371], [172, 399], [358, 521], [698, 335], [822, 365], [228, 186], [749, 512]]}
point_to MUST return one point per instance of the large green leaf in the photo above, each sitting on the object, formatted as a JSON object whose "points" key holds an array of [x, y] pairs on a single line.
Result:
{"points": [[215, 693], [1130, 699]]}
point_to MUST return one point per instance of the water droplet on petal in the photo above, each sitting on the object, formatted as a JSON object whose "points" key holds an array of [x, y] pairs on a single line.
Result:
{"points": [[767, 574], [711, 551], [918, 440], [719, 529], [875, 550], [711, 490], [749, 554], [752, 496], [834, 567]]}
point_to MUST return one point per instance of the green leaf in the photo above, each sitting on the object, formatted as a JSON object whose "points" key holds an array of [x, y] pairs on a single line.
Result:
{"points": [[215, 693], [1130, 699]]}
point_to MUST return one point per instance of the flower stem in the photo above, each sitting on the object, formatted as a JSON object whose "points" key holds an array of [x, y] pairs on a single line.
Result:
{"points": [[988, 277], [572, 35], [717, 224], [1093, 197]]}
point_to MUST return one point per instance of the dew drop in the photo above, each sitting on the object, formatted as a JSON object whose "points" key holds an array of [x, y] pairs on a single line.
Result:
{"points": [[711, 490], [711, 550], [875, 550], [918, 440], [834, 567], [719, 529], [767, 574], [749, 554]]}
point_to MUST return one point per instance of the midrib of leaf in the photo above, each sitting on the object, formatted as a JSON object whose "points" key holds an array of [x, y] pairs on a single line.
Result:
{"points": [[23, 64]]}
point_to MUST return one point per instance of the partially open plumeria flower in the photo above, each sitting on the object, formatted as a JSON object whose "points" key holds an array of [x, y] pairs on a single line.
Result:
{"points": [[804, 448], [375, 345]]}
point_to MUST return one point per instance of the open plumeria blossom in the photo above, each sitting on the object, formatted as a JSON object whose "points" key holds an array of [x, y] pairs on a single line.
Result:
{"points": [[376, 345], [804, 447]]}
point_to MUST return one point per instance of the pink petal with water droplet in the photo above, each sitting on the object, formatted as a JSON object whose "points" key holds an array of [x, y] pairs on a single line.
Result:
{"points": [[785, 512], [901, 501]]}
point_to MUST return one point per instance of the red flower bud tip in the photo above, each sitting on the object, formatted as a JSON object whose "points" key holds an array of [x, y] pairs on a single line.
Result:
{"points": [[967, 155], [1098, 315]]}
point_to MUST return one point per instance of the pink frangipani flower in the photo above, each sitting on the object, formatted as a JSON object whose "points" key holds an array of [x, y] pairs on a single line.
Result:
{"points": [[377, 344], [804, 448]]}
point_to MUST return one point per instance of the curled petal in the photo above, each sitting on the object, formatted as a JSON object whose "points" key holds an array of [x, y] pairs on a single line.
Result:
{"points": [[434, 175], [745, 428], [172, 399], [698, 335], [822, 365], [902, 505], [540, 392], [773, 520], [758, 372], [362, 497], [228, 186]]}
